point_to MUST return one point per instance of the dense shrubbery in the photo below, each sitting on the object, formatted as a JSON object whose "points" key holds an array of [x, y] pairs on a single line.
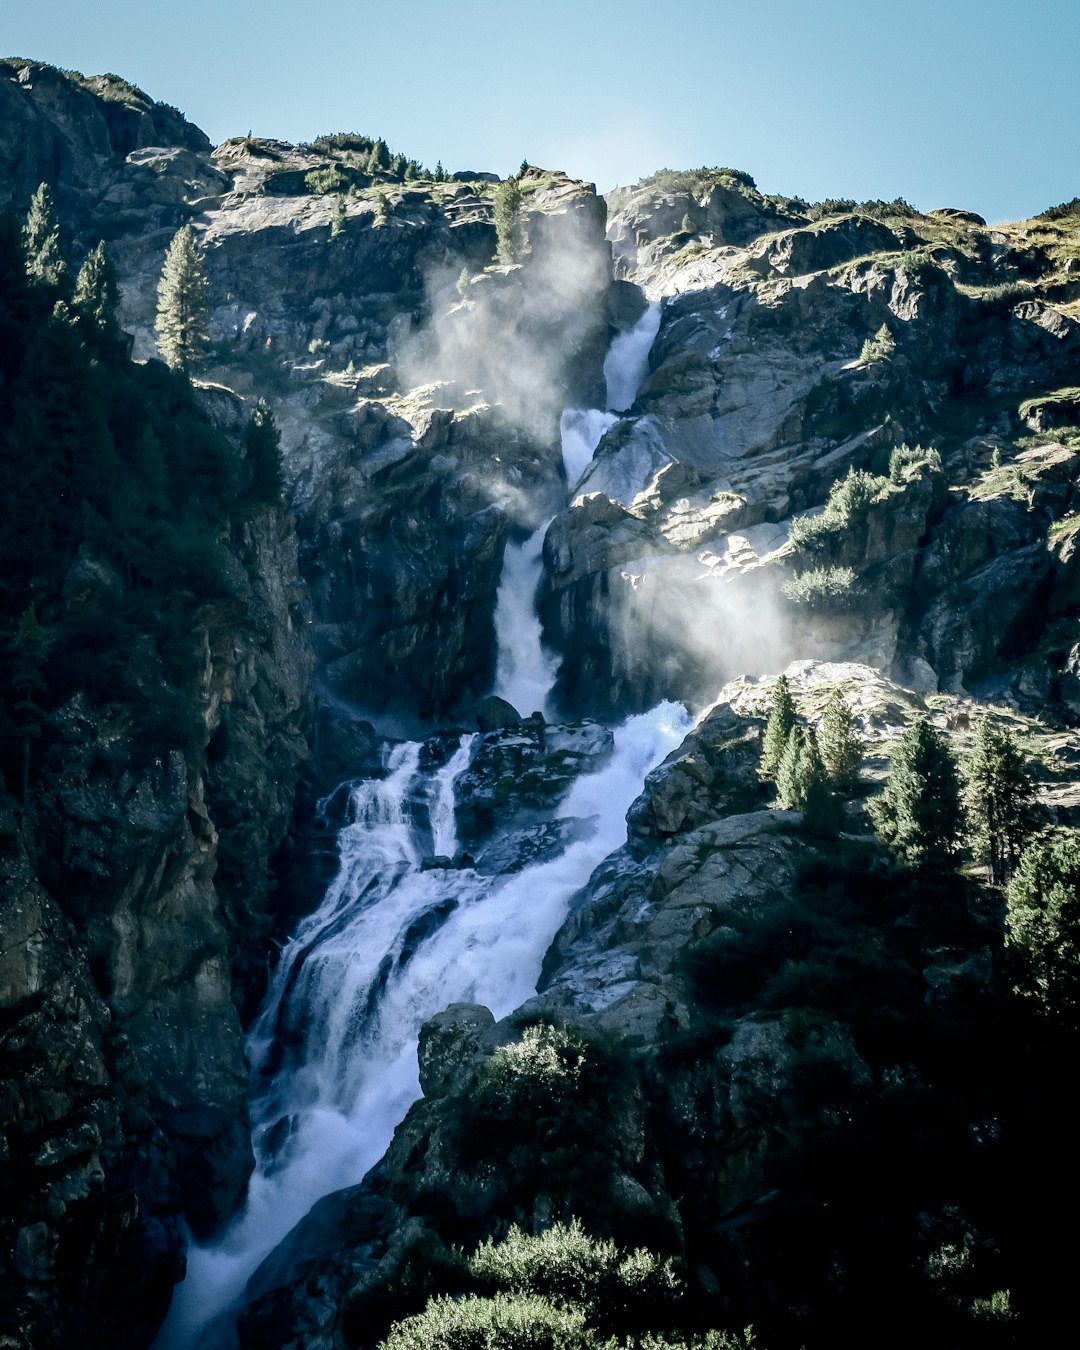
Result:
{"points": [[559, 1290], [823, 588]]}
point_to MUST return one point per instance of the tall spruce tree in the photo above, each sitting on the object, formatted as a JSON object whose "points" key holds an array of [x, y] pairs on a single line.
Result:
{"points": [[41, 239], [1043, 925], [96, 296], [182, 306], [509, 225], [841, 749], [919, 815], [999, 797], [777, 728], [802, 783]]}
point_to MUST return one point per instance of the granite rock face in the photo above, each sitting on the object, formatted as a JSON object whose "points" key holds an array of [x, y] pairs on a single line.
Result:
{"points": [[136, 915]]}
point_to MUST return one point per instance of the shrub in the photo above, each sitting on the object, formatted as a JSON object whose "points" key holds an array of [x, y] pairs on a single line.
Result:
{"points": [[505, 1322], [906, 457], [823, 588], [617, 1290], [848, 497], [329, 178]]}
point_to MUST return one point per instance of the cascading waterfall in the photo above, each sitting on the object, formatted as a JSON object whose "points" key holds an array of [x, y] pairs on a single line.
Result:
{"points": [[333, 1050], [525, 670], [627, 361]]}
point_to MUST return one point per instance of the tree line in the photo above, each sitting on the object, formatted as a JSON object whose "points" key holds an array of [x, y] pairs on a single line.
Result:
{"points": [[934, 811], [121, 496]]}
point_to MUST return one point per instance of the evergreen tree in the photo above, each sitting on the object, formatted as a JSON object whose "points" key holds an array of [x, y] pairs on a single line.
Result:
{"points": [[841, 749], [41, 238], [802, 783], [1043, 925], [96, 295], [338, 215], [382, 207], [440, 172], [509, 227], [919, 814], [262, 442], [182, 307], [397, 167], [777, 728], [999, 796], [462, 283], [29, 648], [790, 772]]}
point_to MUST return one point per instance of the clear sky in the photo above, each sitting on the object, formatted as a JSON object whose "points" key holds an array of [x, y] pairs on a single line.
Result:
{"points": [[972, 103]]}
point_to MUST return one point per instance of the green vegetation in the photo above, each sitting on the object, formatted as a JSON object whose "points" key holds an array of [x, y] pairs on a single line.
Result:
{"points": [[108, 470], [182, 306], [509, 224], [878, 348], [849, 497], [999, 798], [802, 783], [841, 749], [326, 179], [339, 215], [919, 815], [826, 588], [96, 297], [1043, 926], [559, 1290], [778, 728], [905, 459], [41, 241]]}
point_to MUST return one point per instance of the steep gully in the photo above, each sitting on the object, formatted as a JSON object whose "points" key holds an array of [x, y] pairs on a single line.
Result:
{"points": [[333, 1049]]}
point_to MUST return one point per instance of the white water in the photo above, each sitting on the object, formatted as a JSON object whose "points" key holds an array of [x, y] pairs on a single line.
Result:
{"points": [[333, 1050], [627, 361], [525, 670], [582, 430]]}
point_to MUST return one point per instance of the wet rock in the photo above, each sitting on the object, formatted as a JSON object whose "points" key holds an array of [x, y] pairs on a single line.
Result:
{"points": [[495, 714], [448, 1042]]}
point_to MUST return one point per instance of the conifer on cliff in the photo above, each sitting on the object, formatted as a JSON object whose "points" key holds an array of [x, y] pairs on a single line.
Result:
{"points": [[182, 307]]}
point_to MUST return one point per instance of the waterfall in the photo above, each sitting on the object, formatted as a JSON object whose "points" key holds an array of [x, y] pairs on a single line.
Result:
{"points": [[525, 670], [333, 1049], [627, 361]]}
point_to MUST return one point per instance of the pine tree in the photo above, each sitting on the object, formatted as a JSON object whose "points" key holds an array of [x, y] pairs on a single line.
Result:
{"points": [[802, 783], [338, 215], [509, 227], [462, 283], [999, 796], [182, 308], [41, 239], [919, 814], [96, 295], [1043, 925], [841, 749], [262, 441], [777, 728]]}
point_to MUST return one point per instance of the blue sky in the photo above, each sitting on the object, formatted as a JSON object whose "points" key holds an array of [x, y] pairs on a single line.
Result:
{"points": [[972, 103]]}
